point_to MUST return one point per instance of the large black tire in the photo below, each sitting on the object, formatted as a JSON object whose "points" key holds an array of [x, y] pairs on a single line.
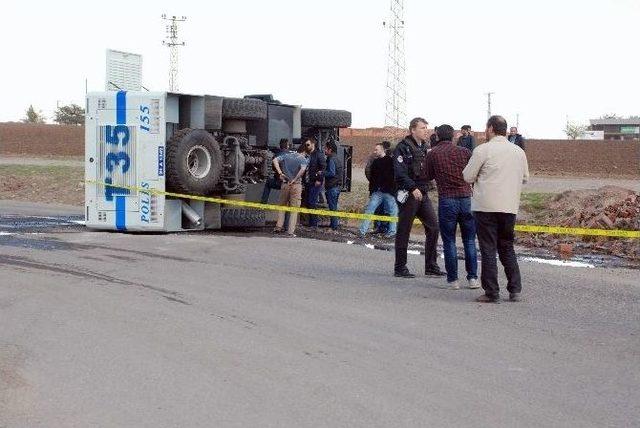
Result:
{"points": [[320, 118], [194, 162], [242, 217], [244, 109]]}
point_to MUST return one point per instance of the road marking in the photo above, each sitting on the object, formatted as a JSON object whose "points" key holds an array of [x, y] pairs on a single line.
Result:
{"points": [[554, 262]]}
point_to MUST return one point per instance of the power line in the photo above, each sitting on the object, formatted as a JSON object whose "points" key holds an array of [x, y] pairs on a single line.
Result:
{"points": [[396, 88], [172, 42]]}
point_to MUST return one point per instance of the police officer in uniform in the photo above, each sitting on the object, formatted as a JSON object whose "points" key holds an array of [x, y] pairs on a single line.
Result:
{"points": [[410, 170]]}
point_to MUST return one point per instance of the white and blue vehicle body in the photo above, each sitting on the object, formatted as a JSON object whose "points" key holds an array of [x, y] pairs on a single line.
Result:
{"points": [[141, 144]]}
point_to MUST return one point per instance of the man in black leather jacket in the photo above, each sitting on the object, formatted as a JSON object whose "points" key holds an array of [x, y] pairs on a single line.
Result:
{"points": [[410, 170], [516, 138]]}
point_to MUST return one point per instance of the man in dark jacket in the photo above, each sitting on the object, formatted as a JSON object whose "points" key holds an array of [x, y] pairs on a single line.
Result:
{"points": [[409, 164], [381, 190], [315, 177], [332, 180], [516, 138], [380, 226], [467, 139]]}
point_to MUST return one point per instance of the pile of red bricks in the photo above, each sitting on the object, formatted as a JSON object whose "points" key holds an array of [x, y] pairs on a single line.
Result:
{"points": [[606, 208], [624, 214]]}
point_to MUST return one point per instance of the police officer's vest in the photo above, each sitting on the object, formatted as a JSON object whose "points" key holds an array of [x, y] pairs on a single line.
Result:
{"points": [[418, 164]]}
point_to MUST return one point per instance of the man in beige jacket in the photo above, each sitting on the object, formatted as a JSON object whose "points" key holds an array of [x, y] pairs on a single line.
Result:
{"points": [[497, 169]]}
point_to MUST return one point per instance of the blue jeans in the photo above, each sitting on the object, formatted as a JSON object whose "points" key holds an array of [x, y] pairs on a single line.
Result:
{"points": [[451, 212], [313, 192], [390, 208], [381, 226], [332, 196]]}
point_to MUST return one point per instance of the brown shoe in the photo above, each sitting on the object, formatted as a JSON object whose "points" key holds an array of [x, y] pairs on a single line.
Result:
{"points": [[487, 299]]}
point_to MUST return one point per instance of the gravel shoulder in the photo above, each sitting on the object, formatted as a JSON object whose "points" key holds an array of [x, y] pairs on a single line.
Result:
{"points": [[48, 161]]}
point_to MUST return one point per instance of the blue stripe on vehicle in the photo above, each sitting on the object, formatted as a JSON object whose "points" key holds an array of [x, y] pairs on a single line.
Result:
{"points": [[121, 202], [121, 108], [121, 119]]}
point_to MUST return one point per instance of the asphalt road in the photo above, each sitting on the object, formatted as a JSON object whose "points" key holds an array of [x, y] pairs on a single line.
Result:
{"points": [[238, 330]]}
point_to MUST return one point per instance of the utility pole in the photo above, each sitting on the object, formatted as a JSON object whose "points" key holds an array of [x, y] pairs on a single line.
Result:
{"points": [[489, 103], [518, 120], [172, 42], [396, 88]]}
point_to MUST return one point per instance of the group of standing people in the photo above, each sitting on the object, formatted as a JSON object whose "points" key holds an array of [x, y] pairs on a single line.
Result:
{"points": [[478, 190], [305, 171]]}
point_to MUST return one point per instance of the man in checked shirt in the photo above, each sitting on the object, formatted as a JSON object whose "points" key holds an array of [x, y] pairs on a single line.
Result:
{"points": [[445, 163]]}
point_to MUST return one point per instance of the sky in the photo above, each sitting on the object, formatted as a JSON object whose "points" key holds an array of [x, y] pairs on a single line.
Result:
{"points": [[545, 60]]}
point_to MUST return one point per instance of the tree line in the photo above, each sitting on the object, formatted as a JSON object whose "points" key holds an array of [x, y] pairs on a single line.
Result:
{"points": [[71, 114]]}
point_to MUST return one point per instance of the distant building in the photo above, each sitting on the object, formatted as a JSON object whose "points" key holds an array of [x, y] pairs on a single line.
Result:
{"points": [[617, 129], [591, 135]]}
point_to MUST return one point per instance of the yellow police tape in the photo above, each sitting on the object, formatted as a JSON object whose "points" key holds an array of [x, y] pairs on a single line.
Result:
{"points": [[555, 230]]}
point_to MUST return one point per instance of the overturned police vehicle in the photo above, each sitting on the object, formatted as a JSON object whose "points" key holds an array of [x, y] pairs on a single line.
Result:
{"points": [[139, 146]]}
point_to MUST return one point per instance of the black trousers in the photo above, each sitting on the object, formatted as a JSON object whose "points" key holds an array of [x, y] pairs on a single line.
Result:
{"points": [[496, 234], [408, 212]]}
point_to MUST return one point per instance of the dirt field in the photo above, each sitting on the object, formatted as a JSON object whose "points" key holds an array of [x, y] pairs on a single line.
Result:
{"points": [[584, 158], [38, 183], [41, 140], [605, 159]]}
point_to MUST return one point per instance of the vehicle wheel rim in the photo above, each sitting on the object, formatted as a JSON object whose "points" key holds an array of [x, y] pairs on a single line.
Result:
{"points": [[198, 162]]}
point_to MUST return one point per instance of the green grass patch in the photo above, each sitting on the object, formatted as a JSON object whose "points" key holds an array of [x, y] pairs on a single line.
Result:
{"points": [[534, 202], [52, 171]]}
